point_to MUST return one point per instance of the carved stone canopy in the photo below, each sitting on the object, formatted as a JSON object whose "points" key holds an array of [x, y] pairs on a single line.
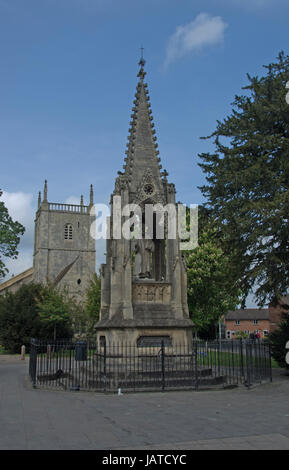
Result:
{"points": [[149, 188]]}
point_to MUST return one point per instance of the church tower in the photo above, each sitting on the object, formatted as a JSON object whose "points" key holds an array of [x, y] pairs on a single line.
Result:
{"points": [[64, 251], [143, 295]]}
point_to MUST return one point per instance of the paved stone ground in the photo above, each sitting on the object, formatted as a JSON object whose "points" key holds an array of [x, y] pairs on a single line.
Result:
{"points": [[229, 419]]}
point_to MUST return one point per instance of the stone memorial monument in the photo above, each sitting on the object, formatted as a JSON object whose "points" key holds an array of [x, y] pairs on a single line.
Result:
{"points": [[143, 283]]}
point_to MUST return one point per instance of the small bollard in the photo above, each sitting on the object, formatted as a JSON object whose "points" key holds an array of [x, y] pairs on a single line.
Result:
{"points": [[23, 353]]}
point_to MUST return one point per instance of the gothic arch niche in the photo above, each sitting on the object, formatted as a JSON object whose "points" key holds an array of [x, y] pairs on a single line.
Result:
{"points": [[149, 252]]}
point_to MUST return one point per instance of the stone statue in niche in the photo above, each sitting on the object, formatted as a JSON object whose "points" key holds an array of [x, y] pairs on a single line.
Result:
{"points": [[137, 259], [142, 264]]}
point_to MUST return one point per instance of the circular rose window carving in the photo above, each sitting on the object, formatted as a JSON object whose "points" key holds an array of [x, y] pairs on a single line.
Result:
{"points": [[148, 189]]}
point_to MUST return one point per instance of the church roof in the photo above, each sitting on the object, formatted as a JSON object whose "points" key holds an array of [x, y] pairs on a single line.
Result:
{"points": [[16, 279]]}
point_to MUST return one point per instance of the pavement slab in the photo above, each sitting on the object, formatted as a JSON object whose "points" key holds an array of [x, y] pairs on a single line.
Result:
{"points": [[37, 419]]}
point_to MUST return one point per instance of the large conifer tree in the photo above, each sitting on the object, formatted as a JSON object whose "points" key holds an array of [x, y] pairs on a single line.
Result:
{"points": [[247, 183]]}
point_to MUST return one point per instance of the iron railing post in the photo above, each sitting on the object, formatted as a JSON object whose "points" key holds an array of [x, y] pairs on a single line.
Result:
{"points": [[241, 357], [33, 361], [196, 365], [270, 363], [259, 361], [163, 365], [104, 366], [248, 378], [233, 362], [219, 354]]}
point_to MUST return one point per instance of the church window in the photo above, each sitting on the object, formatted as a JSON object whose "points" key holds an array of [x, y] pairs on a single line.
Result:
{"points": [[68, 232]]}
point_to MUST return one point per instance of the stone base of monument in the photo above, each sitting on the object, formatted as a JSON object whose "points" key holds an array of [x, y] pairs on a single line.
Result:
{"points": [[149, 321], [138, 377]]}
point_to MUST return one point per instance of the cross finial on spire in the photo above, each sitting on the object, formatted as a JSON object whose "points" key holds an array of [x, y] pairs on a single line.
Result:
{"points": [[142, 62]]}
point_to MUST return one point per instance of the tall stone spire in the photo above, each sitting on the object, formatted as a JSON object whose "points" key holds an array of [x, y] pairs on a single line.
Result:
{"points": [[142, 148]]}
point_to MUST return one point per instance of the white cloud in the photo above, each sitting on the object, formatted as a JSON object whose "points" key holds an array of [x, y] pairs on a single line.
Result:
{"points": [[20, 208], [72, 200], [204, 30]]}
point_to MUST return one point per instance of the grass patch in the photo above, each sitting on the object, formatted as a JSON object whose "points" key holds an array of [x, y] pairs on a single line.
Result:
{"points": [[229, 359]]}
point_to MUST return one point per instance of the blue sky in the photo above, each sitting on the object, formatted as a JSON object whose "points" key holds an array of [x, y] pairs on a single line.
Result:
{"points": [[68, 78]]}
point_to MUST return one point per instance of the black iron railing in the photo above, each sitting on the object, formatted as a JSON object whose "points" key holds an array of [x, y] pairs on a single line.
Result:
{"points": [[84, 365]]}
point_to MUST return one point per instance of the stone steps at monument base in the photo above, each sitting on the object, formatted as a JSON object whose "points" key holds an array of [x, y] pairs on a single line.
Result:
{"points": [[135, 382], [130, 372], [153, 384]]}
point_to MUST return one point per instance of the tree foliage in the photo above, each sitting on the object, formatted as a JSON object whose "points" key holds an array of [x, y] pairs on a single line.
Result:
{"points": [[21, 320], [10, 232], [85, 315], [247, 183], [54, 310], [211, 291], [93, 298], [278, 340]]}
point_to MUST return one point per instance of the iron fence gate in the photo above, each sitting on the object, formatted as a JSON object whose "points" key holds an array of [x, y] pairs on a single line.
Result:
{"points": [[84, 365]]}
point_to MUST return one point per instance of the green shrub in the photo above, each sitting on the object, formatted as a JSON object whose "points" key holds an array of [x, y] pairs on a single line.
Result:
{"points": [[278, 340], [21, 316]]}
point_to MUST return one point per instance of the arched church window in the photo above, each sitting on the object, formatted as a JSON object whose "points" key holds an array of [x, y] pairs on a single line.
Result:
{"points": [[68, 232]]}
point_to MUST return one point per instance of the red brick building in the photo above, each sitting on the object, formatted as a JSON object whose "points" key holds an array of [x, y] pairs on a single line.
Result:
{"points": [[255, 320]]}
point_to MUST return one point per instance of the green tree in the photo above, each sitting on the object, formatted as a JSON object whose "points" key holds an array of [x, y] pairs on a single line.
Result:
{"points": [[54, 310], [10, 232], [278, 340], [247, 184], [85, 315], [211, 292], [20, 319], [93, 298]]}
